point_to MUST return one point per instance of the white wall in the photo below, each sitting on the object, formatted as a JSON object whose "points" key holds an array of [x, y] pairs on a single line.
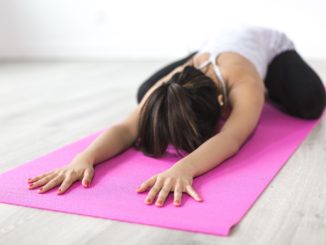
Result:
{"points": [[147, 28]]}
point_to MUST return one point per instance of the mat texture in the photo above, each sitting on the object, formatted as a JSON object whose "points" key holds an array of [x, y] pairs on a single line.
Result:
{"points": [[228, 190]]}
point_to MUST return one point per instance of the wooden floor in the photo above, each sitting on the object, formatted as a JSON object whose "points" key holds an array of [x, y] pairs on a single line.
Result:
{"points": [[44, 105]]}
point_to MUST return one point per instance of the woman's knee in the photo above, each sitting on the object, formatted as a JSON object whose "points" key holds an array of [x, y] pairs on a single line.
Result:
{"points": [[309, 105]]}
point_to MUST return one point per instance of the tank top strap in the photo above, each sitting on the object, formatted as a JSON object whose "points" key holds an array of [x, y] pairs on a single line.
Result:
{"points": [[218, 73], [202, 65], [220, 77]]}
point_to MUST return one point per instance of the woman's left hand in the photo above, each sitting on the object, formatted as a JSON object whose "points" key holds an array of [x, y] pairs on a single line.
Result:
{"points": [[177, 179]]}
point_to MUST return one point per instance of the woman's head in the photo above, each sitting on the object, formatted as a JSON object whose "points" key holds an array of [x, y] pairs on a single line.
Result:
{"points": [[183, 112]]}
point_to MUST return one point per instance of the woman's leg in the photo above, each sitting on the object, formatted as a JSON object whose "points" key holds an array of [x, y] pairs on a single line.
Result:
{"points": [[159, 74], [294, 86]]}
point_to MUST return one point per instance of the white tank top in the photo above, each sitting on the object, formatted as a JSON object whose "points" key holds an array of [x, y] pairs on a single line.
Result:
{"points": [[258, 44]]}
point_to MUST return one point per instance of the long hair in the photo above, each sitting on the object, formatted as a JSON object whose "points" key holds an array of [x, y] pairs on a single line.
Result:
{"points": [[183, 112]]}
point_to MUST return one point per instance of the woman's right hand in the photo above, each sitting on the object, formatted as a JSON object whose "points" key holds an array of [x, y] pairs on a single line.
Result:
{"points": [[80, 168]]}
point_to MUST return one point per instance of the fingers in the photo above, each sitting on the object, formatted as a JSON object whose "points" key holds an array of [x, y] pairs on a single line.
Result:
{"points": [[51, 184], [154, 190], [30, 180], [193, 193], [41, 181], [177, 194], [67, 182], [65, 176], [88, 176], [164, 192], [148, 183], [163, 186]]}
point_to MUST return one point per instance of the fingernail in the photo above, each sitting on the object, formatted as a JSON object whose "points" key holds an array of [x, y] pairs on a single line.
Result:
{"points": [[30, 184], [59, 190], [39, 190], [148, 200], [177, 202], [86, 183]]}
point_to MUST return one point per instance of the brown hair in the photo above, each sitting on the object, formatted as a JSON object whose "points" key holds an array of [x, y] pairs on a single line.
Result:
{"points": [[183, 112]]}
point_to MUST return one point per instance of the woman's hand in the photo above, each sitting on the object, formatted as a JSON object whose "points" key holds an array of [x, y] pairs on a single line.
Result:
{"points": [[80, 168], [177, 179]]}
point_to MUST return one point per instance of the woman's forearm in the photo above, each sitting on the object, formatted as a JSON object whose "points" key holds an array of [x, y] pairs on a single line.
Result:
{"points": [[111, 142], [209, 154]]}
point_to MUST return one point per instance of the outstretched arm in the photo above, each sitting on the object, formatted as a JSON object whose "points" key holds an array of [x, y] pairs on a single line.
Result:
{"points": [[110, 143], [123, 134], [247, 99]]}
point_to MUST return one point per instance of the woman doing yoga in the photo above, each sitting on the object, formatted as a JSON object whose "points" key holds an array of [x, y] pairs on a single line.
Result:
{"points": [[228, 78]]}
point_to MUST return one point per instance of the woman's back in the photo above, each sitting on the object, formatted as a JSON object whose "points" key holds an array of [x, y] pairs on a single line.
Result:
{"points": [[258, 44]]}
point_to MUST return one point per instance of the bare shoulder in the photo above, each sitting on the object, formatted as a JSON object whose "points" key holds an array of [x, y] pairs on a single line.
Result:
{"points": [[233, 66], [243, 80], [236, 67], [239, 71]]}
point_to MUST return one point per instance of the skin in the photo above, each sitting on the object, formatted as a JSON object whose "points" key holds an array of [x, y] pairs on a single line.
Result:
{"points": [[78, 169], [179, 177], [244, 85]]}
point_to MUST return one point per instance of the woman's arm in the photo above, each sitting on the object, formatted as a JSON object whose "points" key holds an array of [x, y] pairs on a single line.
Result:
{"points": [[247, 98], [108, 144], [113, 141], [122, 135]]}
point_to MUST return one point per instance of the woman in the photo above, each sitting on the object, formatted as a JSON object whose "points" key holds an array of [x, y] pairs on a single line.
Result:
{"points": [[182, 103]]}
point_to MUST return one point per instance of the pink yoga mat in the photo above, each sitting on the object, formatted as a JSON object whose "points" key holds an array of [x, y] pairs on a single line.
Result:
{"points": [[228, 190]]}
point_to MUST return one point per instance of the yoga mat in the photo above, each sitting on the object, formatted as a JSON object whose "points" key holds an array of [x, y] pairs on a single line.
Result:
{"points": [[228, 191]]}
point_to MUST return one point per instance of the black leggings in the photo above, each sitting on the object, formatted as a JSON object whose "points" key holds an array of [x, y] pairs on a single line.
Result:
{"points": [[292, 85]]}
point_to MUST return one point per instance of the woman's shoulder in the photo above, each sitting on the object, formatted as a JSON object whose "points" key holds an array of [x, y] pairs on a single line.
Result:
{"points": [[232, 65]]}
